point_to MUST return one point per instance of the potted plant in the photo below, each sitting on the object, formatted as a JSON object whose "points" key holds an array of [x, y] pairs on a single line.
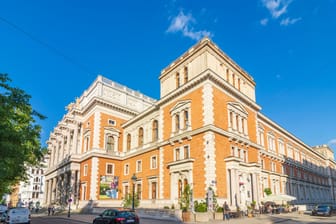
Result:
{"points": [[185, 203], [201, 211]]}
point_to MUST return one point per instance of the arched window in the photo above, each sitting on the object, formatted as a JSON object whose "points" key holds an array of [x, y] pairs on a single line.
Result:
{"points": [[186, 118], [180, 190], [109, 143], [141, 135], [86, 143], [128, 145], [155, 130], [186, 74], [177, 77], [177, 123]]}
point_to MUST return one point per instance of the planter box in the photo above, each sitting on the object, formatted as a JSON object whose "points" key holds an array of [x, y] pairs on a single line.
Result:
{"points": [[219, 216], [202, 216], [186, 216]]}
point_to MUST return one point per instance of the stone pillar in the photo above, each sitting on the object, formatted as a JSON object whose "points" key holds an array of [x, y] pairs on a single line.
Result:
{"points": [[46, 192], [68, 142]]}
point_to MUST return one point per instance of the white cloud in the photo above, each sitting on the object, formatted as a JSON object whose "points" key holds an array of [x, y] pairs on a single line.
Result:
{"points": [[264, 22], [276, 7], [183, 23], [332, 142], [289, 21]]}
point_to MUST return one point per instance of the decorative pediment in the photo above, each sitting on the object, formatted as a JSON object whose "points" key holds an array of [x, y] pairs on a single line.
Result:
{"points": [[180, 106], [238, 106], [111, 129]]}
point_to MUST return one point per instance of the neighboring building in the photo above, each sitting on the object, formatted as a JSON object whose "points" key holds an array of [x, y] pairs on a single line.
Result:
{"points": [[31, 192], [206, 130], [28, 193]]}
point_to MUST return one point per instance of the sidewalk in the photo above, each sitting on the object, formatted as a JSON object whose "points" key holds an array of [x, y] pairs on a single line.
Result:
{"points": [[264, 219]]}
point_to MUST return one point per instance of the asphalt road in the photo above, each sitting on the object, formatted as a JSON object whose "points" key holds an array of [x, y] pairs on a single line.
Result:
{"points": [[292, 218], [84, 219]]}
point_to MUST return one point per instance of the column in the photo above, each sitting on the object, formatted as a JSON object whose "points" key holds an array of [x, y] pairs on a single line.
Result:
{"points": [[68, 141], [46, 192]]}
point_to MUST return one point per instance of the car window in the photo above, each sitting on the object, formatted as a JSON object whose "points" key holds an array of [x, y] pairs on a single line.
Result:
{"points": [[106, 213], [125, 213]]}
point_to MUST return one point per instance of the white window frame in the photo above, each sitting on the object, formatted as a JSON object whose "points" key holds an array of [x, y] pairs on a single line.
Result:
{"points": [[126, 169], [106, 168], [184, 150], [112, 122], [152, 165], [270, 141], [179, 109], [281, 147], [240, 114], [261, 136], [85, 170], [138, 170], [175, 157]]}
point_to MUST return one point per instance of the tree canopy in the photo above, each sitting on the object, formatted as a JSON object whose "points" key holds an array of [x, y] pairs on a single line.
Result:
{"points": [[20, 145]]}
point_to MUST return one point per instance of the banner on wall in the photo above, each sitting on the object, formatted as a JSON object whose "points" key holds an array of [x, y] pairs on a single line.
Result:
{"points": [[108, 187]]}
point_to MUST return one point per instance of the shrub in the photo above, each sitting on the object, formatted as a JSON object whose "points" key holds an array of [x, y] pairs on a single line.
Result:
{"points": [[200, 206]]}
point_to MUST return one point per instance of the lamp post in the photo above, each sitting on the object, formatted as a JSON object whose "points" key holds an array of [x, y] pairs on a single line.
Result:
{"points": [[134, 179], [69, 201]]}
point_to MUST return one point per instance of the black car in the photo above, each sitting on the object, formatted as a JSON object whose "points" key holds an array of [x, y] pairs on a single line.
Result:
{"points": [[3, 216], [115, 216], [324, 210]]}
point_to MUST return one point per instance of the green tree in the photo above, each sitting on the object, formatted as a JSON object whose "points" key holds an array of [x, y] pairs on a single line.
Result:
{"points": [[128, 200], [185, 198], [19, 135], [268, 191]]}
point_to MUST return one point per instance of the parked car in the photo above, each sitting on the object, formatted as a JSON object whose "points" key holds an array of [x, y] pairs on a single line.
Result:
{"points": [[17, 215], [3, 210], [3, 215], [324, 210], [116, 216]]}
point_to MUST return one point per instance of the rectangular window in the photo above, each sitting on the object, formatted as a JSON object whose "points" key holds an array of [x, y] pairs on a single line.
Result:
{"points": [[281, 147], [271, 142], [177, 154], [112, 122], [138, 190], [138, 166], [153, 162], [273, 167], [126, 169], [153, 186], [177, 77], [85, 170], [109, 169], [126, 190], [186, 152]]}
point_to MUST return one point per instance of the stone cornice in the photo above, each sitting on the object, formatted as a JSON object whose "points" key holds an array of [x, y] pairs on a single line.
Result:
{"points": [[290, 136], [196, 82], [201, 45]]}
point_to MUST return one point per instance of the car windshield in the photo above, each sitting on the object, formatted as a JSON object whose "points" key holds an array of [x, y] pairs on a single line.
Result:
{"points": [[323, 206], [126, 213]]}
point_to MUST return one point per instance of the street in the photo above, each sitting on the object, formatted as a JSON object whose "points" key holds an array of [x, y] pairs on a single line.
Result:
{"points": [[291, 218], [81, 219]]}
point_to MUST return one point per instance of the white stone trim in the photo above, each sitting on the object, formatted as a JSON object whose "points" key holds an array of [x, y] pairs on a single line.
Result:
{"points": [[208, 113], [161, 172], [96, 131], [94, 178], [209, 160]]}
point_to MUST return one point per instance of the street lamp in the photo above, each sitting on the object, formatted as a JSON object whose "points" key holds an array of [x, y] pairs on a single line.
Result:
{"points": [[134, 179], [69, 201]]}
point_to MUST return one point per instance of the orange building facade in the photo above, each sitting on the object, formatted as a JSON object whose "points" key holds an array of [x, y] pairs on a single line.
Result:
{"points": [[206, 130]]}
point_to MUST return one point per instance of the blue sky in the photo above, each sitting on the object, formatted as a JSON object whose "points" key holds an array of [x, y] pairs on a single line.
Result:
{"points": [[55, 49]]}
